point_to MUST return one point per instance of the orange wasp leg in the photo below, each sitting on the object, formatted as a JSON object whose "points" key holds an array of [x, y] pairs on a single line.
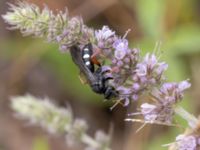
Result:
{"points": [[93, 57]]}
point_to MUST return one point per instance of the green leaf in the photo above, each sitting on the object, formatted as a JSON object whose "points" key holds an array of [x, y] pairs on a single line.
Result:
{"points": [[150, 15], [40, 143]]}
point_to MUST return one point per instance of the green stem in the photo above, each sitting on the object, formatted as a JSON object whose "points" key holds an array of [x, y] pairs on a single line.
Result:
{"points": [[191, 119]]}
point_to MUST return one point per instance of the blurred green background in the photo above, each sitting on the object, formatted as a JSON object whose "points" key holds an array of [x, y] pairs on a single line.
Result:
{"points": [[30, 65]]}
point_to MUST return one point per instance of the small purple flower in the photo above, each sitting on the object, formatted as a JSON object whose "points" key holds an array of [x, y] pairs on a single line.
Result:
{"points": [[104, 34], [119, 54], [123, 90], [121, 44], [64, 48], [120, 63], [161, 68], [184, 85], [141, 69], [134, 97], [153, 66], [136, 86], [171, 92], [150, 60], [58, 38], [184, 142], [157, 113], [124, 93], [149, 72], [148, 111], [127, 60], [121, 48], [104, 40], [167, 87]]}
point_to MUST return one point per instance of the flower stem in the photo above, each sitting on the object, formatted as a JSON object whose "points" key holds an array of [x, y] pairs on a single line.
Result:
{"points": [[191, 119]]}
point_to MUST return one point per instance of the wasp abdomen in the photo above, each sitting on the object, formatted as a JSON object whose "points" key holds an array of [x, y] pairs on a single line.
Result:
{"points": [[86, 56]]}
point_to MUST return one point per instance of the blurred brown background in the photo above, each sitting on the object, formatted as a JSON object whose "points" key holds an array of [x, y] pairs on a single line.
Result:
{"points": [[29, 65]]}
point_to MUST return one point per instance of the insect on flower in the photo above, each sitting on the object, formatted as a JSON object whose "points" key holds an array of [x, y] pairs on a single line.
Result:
{"points": [[88, 60], [96, 78]]}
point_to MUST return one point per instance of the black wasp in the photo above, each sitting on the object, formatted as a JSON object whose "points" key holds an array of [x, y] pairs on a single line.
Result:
{"points": [[95, 77]]}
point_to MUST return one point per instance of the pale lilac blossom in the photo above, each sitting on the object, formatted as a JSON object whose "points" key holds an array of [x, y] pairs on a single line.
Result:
{"points": [[104, 34], [184, 142], [105, 38]]}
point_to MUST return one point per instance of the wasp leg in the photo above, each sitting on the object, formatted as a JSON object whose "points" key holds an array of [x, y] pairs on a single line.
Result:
{"points": [[110, 93], [83, 80], [106, 79], [116, 103], [97, 52]]}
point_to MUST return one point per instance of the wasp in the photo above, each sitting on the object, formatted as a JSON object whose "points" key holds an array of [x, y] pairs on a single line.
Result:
{"points": [[96, 78]]}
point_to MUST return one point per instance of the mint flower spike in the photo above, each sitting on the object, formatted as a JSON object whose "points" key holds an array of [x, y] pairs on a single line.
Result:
{"points": [[58, 121], [164, 105], [31, 21], [58, 28], [42, 112]]}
